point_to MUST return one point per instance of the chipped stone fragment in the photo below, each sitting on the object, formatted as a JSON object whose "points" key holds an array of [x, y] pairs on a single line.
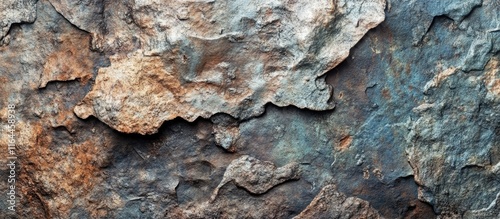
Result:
{"points": [[257, 176], [226, 131], [72, 60], [330, 203], [14, 11]]}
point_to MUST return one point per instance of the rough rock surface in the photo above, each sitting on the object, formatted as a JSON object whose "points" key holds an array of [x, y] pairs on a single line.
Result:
{"points": [[196, 59], [12, 11], [226, 131], [257, 176], [415, 131], [334, 205]]}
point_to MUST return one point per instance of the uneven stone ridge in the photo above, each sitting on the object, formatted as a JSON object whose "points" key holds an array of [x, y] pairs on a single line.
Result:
{"points": [[13, 11], [257, 176], [199, 58], [272, 109], [330, 203]]}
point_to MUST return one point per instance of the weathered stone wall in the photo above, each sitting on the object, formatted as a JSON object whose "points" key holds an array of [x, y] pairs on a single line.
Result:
{"points": [[251, 109]]}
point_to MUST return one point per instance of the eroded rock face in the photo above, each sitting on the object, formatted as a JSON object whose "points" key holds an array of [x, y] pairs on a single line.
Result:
{"points": [[257, 176], [196, 59], [226, 131], [460, 153], [12, 11], [414, 133], [330, 203], [72, 60]]}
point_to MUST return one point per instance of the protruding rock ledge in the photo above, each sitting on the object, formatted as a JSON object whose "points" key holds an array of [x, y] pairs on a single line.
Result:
{"points": [[330, 203], [197, 59], [257, 176], [14, 11]]}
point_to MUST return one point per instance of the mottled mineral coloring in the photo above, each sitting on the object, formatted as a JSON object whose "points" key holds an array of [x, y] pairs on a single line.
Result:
{"points": [[192, 59], [257, 176], [252, 109]]}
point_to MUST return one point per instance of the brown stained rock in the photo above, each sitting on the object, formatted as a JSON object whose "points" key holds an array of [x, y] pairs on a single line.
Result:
{"points": [[65, 178], [224, 60], [134, 88], [257, 176], [492, 78], [53, 176], [73, 60], [439, 78], [345, 142], [13, 11], [197, 59], [331, 204]]}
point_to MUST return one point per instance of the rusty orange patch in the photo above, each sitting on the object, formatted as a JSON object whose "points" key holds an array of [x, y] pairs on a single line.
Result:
{"points": [[345, 142]]}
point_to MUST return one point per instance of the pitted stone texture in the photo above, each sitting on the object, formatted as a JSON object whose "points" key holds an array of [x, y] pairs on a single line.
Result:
{"points": [[331, 204], [450, 79], [257, 176], [15, 11], [196, 59], [226, 131], [452, 143], [85, 14], [72, 60]]}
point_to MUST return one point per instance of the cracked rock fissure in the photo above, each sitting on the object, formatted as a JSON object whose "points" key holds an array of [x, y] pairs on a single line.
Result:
{"points": [[414, 84]]}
